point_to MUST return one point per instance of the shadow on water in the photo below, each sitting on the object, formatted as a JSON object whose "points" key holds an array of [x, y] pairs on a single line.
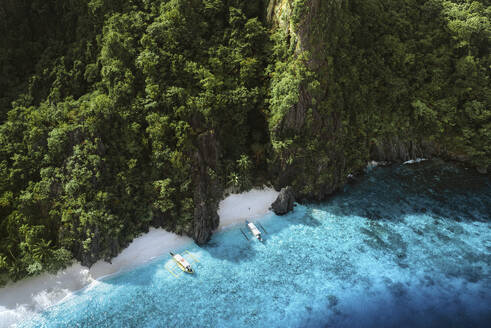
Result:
{"points": [[392, 193], [430, 187], [385, 194], [232, 246], [229, 245], [234, 250], [335, 268], [441, 195], [400, 307]]}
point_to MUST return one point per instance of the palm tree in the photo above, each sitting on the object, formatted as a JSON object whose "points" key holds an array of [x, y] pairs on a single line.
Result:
{"points": [[42, 251]]}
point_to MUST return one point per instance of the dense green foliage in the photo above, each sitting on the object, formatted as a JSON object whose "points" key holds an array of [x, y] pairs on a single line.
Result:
{"points": [[104, 105], [99, 144], [412, 75]]}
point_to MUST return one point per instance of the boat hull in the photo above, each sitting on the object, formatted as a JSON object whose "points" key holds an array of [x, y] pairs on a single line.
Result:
{"points": [[183, 268]]}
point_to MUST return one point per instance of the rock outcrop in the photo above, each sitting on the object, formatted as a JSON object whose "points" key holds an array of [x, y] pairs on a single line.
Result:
{"points": [[395, 149], [321, 132], [207, 191], [284, 203]]}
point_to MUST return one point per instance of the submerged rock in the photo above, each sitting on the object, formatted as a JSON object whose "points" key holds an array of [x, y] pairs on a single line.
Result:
{"points": [[284, 203]]}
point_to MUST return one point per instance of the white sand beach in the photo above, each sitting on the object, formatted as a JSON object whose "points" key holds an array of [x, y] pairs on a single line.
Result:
{"points": [[20, 300]]}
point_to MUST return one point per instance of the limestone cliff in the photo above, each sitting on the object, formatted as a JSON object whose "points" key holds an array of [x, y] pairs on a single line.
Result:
{"points": [[360, 80], [208, 190]]}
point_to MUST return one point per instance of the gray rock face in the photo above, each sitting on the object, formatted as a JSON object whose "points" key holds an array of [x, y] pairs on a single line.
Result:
{"points": [[207, 190], [284, 203], [395, 149]]}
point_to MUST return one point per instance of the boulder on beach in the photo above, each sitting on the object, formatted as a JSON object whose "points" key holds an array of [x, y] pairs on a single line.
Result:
{"points": [[284, 203]]}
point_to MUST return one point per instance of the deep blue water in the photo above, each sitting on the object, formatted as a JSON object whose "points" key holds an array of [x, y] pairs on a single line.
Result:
{"points": [[406, 246]]}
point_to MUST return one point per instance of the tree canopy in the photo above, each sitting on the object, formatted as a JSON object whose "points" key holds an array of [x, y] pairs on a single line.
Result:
{"points": [[104, 105]]}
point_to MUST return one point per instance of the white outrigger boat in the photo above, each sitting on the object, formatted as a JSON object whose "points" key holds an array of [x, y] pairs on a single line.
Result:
{"points": [[254, 230], [182, 263]]}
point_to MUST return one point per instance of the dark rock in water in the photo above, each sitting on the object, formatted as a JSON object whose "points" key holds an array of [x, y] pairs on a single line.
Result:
{"points": [[284, 203], [333, 300]]}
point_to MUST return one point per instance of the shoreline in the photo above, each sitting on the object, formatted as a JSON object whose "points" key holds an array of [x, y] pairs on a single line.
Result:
{"points": [[22, 299], [252, 204]]}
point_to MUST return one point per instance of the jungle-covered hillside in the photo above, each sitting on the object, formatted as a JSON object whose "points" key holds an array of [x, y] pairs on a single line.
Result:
{"points": [[120, 115]]}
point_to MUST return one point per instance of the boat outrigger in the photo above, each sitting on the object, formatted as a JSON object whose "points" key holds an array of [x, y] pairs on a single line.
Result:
{"points": [[254, 230], [183, 264]]}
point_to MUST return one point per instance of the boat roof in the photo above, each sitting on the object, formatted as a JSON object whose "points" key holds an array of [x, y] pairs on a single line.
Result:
{"points": [[181, 260], [254, 229]]}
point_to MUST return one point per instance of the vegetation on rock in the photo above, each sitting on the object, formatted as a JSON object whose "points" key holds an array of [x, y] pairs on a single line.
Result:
{"points": [[120, 115], [387, 80]]}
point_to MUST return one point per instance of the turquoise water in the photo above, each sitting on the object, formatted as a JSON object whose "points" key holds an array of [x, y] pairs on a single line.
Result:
{"points": [[406, 246]]}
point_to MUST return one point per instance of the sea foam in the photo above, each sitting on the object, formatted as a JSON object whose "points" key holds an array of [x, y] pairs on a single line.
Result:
{"points": [[23, 299]]}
